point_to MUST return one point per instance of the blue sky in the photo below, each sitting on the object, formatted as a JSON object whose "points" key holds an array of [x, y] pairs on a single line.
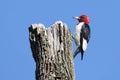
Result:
{"points": [[102, 57]]}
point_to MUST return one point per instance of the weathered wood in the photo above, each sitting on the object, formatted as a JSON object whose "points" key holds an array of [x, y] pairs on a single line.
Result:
{"points": [[52, 51]]}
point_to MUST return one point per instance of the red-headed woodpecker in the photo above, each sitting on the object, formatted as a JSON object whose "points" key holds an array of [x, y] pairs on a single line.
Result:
{"points": [[82, 34]]}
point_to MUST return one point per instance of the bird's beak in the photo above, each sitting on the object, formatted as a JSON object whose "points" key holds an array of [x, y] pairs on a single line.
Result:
{"points": [[76, 17]]}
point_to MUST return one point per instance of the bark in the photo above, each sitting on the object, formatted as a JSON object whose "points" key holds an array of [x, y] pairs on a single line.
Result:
{"points": [[52, 51]]}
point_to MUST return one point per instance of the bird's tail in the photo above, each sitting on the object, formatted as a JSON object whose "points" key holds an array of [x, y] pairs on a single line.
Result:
{"points": [[82, 55], [77, 51]]}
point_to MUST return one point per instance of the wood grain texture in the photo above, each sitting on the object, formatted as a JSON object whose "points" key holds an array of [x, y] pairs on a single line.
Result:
{"points": [[52, 51]]}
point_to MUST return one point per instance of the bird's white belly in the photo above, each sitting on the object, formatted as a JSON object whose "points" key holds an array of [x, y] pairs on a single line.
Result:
{"points": [[77, 33], [77, 39]]}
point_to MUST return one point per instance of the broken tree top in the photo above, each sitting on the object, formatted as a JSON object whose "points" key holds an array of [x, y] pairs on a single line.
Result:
{"points": [[52, 51], [54, 35]]}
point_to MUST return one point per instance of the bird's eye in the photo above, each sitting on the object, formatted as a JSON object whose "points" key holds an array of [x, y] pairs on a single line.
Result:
{"points": [[82, 16]]}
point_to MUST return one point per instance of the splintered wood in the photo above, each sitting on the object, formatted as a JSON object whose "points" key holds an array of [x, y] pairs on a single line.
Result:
{"points": [[52, 51]]}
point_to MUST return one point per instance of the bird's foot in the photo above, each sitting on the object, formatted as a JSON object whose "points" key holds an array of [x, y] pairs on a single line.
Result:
{"points": [[72, 37]]}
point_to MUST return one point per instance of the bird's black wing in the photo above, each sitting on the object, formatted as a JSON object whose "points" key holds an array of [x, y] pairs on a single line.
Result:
{"points": [[86, 32]]}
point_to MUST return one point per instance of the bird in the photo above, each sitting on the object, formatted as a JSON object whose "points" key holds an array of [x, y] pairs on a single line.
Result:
{"points": [[82, 34]]}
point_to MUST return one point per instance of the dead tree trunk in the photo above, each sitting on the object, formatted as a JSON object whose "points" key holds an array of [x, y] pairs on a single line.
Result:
{"points": [[52, 51]]}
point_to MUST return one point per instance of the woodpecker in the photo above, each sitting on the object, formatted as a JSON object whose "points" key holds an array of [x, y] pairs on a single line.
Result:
{"points": [[81, 35]]}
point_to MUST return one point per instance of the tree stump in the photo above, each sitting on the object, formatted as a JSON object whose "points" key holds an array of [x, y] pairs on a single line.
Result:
{"points": [[52, 51]]}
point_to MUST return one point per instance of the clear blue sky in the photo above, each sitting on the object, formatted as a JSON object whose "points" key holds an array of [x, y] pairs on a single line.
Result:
{"points": [[102, 57]]}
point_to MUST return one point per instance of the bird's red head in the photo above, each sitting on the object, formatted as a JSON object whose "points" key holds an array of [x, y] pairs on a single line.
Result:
{"points": [[83, 18]]}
